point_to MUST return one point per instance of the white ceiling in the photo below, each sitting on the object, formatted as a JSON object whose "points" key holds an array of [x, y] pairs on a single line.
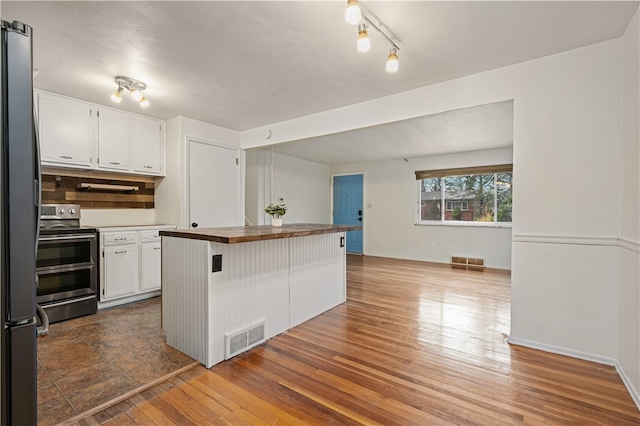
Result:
{"points": [[469, 129], [242, 64]]}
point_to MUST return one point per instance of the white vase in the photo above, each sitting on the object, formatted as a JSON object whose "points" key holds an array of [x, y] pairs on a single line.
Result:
{"points": [[276, 222]]}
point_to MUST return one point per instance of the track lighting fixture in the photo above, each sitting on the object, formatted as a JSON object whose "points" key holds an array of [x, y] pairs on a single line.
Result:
{"points": [[352, 14], [364, 44], [355, 15], [133, 86]]}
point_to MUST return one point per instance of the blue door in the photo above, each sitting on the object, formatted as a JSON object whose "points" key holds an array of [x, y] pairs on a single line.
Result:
{"points": [[347, 208]]}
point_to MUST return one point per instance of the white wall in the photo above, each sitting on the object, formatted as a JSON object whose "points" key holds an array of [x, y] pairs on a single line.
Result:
{"points": [[170, 202], [117, 217], [629, 304], [254, 186], [389, 228], [305, 188], [566, 156], [303, 185]]}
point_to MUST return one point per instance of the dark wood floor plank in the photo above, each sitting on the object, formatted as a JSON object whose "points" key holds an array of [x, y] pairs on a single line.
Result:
{"points": [[415, 343]]}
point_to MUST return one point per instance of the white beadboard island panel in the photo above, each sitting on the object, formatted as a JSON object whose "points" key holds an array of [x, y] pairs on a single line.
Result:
{"points": [[185, 266], [318, 275]]}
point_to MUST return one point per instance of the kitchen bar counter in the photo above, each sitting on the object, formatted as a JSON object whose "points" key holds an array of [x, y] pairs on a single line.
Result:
{"points": [[226, 290], [244, 234]]}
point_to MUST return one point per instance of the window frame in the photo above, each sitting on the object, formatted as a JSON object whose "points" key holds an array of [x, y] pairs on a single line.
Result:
{"points": [[466, 171]]}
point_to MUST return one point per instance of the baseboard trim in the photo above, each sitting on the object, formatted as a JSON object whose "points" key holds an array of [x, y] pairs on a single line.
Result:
{"points": [[635, 395], [561, 351]]}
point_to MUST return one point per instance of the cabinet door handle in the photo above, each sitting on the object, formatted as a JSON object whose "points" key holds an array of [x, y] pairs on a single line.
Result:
{"points": [[66, 157], [115, 163], [121, 252], [157, 248], [148, 167], [122, 239]]}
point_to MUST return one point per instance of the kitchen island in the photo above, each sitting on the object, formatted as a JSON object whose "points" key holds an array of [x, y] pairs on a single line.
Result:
{"points": [[226, 290]]}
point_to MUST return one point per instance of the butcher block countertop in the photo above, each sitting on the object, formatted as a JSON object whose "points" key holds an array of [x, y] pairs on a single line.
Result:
{"points": [[245, 234]]}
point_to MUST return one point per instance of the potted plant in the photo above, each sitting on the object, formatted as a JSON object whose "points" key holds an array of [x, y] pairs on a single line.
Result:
{"points": [[276, 211]]}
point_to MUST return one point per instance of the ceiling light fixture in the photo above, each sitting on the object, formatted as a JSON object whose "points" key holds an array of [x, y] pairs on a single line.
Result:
{"points": [[364, 44], [354, 11], [133, 86]]}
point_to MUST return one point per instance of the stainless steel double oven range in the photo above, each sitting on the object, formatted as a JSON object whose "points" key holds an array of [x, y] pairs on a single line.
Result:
{"points": [[66, 263]]}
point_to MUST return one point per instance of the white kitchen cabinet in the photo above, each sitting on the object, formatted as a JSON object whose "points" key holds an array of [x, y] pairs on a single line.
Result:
{"points": [[130, 268], [77, 134], [148, 146], [121, 271], [150, 257], [66, 131], [115, 130]]}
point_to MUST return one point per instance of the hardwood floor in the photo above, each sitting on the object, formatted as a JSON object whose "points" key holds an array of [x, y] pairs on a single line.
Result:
{"points": [[415, 344]]}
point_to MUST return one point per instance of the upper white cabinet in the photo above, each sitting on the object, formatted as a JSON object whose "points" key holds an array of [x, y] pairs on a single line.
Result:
{"points": [[82, 135], [148, 145], [66, 131], [114, 139]]}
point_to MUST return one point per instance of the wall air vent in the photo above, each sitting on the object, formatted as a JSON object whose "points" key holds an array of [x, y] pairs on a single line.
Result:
{"points": [[243, 340]]}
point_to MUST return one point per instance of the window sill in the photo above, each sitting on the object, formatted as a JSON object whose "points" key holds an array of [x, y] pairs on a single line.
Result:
{"points": [[465, 224]]}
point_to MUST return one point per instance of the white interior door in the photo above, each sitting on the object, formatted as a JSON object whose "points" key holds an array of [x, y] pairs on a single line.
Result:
{"points": [[214, 185]]}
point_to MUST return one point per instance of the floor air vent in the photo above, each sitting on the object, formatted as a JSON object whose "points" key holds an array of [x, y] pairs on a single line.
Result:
{"points": [[467, 263], [243, 340]]}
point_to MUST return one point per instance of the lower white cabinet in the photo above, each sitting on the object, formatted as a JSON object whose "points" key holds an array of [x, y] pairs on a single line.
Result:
{"points": [[150, 258], [120, 272], [130, 266]]}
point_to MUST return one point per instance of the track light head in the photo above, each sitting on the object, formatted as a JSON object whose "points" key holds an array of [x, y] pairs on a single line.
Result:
{"points": [[392, 61], [352, 13], [117, 95], [364, 44]]}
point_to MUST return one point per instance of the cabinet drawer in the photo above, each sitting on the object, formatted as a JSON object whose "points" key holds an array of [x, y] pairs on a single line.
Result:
{"points": [[117, 238], [150, 236]]}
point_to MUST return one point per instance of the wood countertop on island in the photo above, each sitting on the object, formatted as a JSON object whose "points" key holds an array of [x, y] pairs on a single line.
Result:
{"points": [[245, 234]]}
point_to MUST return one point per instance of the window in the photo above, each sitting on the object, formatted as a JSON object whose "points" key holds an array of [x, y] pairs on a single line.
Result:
{"points": [[461, 205], [480, 195]]}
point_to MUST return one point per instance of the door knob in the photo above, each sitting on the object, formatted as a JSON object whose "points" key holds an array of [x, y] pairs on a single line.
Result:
{"points": [[194, 225], [360, 219]]}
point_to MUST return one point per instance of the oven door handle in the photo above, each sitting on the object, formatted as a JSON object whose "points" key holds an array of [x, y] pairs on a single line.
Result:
{"points": [[83, 237], [43, 329]]}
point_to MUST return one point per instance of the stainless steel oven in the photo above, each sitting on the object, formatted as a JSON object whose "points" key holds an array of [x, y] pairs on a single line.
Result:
{"points": [[66, 264]]}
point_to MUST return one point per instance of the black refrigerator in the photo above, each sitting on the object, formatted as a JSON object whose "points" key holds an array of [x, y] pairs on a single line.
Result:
{"points": [[19, 216]]}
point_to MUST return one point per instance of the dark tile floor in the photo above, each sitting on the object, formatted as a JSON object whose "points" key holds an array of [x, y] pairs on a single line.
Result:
{"points": [[87, 361]]}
